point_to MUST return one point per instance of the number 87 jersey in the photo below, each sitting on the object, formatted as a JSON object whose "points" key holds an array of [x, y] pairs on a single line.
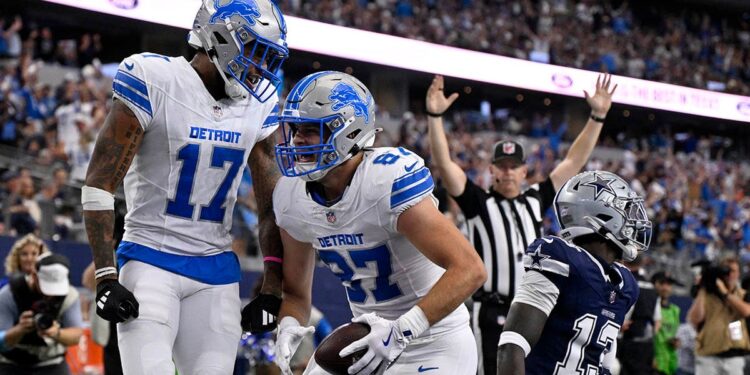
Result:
{"points": [[182, 185], [357, 238]]}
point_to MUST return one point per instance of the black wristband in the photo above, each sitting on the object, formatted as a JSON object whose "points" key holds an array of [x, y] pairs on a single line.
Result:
{"points": [[597, 119], [433, 114]]}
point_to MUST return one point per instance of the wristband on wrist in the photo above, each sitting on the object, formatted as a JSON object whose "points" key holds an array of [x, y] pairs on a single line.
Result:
{"points": [[597, 118], [433, 114], [510, 337], [273, 259], [104, 271]]}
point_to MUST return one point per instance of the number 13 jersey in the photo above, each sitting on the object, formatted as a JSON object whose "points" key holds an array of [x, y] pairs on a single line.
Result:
{"points": [[586, 301]]}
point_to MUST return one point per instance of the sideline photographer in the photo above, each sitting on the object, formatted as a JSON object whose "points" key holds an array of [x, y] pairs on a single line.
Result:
{"points": [[40, 314], [718, 314]]}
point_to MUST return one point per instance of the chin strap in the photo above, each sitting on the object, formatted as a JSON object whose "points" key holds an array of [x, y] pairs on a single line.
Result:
{"points": [[628, 253]]}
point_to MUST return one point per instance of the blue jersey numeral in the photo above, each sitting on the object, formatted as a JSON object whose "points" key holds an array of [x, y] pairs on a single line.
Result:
{"points": [[381, 255], [388, 159], [189, 154]]}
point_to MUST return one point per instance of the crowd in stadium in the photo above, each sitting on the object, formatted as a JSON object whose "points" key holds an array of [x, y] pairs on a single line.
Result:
{"points": [[684, 47], [55, 126]]}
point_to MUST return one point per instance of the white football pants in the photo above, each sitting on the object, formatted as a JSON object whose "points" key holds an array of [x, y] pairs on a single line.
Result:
{"points": [[181, 322]]}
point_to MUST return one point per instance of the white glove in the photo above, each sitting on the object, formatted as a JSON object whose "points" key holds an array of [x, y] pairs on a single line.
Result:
{"points": [[386, 340], [287, 340]]}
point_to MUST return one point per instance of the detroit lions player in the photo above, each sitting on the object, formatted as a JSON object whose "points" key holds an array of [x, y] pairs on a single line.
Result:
{"points": [[188, 128], [370, 215], [574, 297]]}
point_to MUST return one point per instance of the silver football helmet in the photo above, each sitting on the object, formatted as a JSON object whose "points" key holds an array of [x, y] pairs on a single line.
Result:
{"points": [[342, 109], [241, 36], [603, 203]]}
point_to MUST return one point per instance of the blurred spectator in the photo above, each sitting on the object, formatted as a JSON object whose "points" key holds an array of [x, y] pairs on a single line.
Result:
{"points": [[665, 340], [686, 349], [718, 314], [40, 317], [22, 256], [655, 41]]}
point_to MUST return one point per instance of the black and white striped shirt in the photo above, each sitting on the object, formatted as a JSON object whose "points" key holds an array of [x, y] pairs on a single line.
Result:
{"points": [[500, 230]]}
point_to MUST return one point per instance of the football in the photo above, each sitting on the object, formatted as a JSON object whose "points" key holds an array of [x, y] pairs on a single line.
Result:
{"points": [[327, 354]]}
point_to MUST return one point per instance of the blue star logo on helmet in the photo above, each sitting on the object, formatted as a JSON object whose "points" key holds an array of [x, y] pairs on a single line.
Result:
{"points": [[601, 184], [343, 95], [247, 9]]}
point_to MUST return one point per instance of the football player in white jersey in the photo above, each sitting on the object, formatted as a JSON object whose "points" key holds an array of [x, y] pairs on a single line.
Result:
{"points": [[370, 215], [180, 133]]}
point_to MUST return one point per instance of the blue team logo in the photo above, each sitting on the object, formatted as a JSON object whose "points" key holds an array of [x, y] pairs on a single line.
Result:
{"points": [[344, 95], [247, 9]]}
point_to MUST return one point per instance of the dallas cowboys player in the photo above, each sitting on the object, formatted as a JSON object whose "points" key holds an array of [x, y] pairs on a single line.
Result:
{"points": [[370, 215], [188, 128], [574, 297]]}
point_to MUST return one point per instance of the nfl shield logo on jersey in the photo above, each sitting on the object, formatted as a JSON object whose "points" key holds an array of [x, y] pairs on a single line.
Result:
{"points": [[218, 112], [331, 217], [612, 296]]}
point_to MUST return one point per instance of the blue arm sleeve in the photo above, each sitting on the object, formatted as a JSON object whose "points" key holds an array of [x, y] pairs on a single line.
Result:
{"points": [[322, 330]]}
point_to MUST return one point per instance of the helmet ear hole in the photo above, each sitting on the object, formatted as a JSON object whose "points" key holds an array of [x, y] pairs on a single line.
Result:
{"points": [[219, 39], [604, 217], [354, 134]]}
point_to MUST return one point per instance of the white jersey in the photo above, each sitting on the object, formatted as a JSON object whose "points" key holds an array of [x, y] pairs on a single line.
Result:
{"points": [[182, 184], [357, 237]]}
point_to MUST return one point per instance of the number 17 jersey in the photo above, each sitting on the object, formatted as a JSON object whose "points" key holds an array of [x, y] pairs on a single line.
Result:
{"points": [[182, 185]]}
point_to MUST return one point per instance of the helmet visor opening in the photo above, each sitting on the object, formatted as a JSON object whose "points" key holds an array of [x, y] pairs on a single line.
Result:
{"points": [[307, 145]]}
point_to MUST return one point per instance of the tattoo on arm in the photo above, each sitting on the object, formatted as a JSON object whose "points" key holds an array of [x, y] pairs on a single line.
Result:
{"points": [[116, 146], [265, 175]]}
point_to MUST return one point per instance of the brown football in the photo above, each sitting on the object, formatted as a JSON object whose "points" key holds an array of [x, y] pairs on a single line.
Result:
{"points": [[327, 354]]}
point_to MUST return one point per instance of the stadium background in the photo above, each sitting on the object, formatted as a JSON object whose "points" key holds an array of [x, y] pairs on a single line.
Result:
{"points": [[692, 169]]}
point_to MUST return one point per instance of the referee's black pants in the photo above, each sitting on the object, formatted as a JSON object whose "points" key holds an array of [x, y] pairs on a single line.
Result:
{"points": [[490, 320]]}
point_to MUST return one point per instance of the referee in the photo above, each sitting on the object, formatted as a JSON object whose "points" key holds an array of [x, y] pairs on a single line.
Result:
{"points": [[505, 220]]}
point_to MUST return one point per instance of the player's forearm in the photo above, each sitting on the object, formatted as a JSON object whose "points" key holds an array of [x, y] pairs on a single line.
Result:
{"points": [[100, 231], [451, 290], [295, 306], [270, 245], [266, 174], [510, 360]]}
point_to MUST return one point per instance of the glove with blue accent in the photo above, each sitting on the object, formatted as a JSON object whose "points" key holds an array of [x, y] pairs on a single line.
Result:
{"points": [[386, 341], [289, 337], [114, 302]]}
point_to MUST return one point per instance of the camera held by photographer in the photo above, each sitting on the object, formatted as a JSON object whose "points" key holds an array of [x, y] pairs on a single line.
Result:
{"points": [[40, 316]]}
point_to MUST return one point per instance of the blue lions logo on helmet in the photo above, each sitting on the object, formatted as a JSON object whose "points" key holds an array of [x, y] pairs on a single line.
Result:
{"points": [[344, 95], [246, 9]]}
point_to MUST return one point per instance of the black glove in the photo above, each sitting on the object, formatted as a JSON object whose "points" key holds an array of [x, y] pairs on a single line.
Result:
{"points": [[114, 302], [261, 314]]}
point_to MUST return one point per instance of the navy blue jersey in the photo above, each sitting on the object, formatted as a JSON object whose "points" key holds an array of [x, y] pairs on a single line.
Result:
{"points": [[594, 297]]}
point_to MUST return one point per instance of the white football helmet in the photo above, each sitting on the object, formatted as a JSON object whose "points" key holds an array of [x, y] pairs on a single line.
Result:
{"points": [[336, 103], [240, 36], [603, 203]]}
